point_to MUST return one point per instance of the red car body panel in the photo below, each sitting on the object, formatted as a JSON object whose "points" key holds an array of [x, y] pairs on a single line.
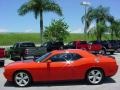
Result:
{"points": [[87, 46], [2, 52], [54, 71]]}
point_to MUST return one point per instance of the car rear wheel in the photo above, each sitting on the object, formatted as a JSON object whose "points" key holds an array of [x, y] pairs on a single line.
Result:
{"points": [[94, 76], [112, 52], [22, 79]]}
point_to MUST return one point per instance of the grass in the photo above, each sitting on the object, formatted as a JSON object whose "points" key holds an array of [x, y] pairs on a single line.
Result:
{"points": [[11, 38]]}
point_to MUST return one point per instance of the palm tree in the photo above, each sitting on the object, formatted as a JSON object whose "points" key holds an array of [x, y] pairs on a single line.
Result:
{"points": [[38, 7], [100, 16], [115, 29], [98, 30]]}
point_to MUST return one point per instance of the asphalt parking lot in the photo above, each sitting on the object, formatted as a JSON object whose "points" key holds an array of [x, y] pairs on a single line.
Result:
{"points": [[109, 84]]}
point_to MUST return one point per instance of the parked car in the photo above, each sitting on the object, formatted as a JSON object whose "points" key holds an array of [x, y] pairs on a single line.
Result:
{"points": [[92, 47], [61, 65], [116, 44], [53, 45], [25, 50], [108, 46], [2, 56]]}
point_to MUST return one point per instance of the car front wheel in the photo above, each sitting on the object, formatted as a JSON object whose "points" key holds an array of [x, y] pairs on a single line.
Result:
{"points": [[22, 79], [94, 76]]}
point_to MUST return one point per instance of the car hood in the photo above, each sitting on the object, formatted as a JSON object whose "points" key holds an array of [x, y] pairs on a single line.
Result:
{"points": [[20, 64]]}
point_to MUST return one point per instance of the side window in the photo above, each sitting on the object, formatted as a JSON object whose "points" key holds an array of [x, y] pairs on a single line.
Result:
{"points": [[65, 57], [57, 58], [75, 56], [16, 45], [71, 43]]}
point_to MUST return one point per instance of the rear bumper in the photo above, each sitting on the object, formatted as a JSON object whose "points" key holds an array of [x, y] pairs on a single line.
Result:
{"points": [[95, 52], [112, 71], [110, 50]]}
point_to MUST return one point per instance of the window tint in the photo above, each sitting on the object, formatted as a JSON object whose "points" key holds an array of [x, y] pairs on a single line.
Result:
{"points": [[76, 56], [65, 57], [57, 58], [16, 45], [42, 57], [70, 43], [27, 45]]}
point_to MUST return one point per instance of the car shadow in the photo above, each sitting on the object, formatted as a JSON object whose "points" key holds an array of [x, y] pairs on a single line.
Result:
{"points": [[109, 80], [60, 83]]}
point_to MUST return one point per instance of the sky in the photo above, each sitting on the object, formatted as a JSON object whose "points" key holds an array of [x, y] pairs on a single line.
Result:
{"points": [[10, 21]]}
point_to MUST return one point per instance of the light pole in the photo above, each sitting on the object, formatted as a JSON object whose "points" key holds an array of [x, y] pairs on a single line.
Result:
{"points": [[85, 4]]}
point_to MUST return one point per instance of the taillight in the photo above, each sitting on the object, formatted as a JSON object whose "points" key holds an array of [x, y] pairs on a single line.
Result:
{"points": [[26, 51]]}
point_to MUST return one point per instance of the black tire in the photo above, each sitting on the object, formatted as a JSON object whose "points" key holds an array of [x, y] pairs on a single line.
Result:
{"points": [[11, 58], [17, 76], [2, 63], [112, 52], [95, 80]]}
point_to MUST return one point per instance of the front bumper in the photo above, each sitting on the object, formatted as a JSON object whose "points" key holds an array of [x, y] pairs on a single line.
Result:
{"points": [[110, 50], [8, 75]]}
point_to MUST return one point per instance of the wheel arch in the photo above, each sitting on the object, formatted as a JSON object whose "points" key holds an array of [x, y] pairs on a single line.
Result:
{"points": [[22, 71], [98, 68]]}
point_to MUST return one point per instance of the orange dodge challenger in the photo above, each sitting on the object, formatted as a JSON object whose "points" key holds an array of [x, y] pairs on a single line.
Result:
{"points": [[61, 65]]}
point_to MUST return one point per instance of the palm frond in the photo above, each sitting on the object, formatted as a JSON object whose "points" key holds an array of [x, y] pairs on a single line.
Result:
{"points": [[53, 7]]}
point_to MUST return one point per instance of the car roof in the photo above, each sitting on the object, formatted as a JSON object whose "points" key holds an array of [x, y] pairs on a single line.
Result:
{"points": [[25, 42], [81, 52]]}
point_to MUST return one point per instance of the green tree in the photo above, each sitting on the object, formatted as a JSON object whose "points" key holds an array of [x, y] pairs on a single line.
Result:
{"points": [[98, 31], [56, 31], [114, 29], [38, 7], [100, 16]]}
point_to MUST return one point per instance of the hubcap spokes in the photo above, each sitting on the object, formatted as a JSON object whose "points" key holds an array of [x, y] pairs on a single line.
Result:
{"points": [[22, 79], [95, 76]]}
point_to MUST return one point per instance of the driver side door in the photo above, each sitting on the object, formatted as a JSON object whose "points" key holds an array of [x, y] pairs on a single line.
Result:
{"points": [[60, 67]]}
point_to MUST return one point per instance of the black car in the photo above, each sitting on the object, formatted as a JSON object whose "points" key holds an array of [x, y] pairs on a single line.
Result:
{"points": [[25, 50], [108, 46], [53, 45], [116, 44]]}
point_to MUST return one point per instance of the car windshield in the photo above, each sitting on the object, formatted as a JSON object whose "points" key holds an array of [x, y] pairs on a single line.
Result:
{"points": [[42, 57], [27, 45]]}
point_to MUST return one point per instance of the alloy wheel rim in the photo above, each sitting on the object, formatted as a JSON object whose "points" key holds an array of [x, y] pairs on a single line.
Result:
{"points": [[22, 79], [95, 76]]}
